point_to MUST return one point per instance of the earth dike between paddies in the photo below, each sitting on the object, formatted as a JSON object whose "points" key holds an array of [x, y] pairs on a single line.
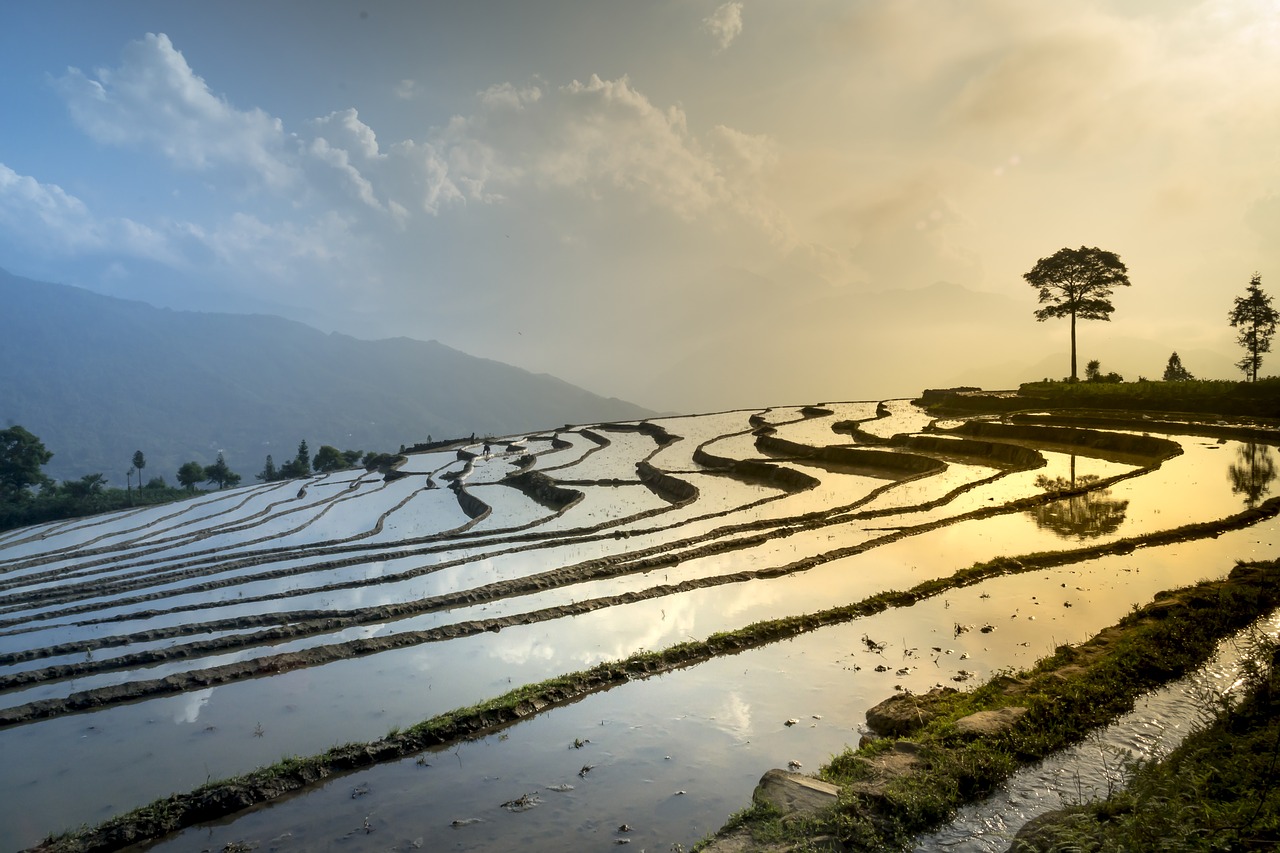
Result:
{"points": [[946, 748]]}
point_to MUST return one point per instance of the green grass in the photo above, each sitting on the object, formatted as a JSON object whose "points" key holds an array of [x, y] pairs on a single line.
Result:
{"points": [[1220, 397], [1068, 695], [1219, 790]]}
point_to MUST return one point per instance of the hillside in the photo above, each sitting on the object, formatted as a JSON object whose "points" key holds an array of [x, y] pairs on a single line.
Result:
{"points": [[97, 378]]}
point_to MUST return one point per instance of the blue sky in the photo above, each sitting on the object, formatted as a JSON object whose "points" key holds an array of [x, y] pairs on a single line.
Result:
{"points": [[688, 204]]}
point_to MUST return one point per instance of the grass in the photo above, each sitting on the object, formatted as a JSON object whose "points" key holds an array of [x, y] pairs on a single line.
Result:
{"points": [[1067, 695], [1219, 790], [1217, 397]]}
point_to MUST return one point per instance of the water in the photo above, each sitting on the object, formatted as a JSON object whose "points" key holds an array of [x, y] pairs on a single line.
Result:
{"points": [[720, 722]]}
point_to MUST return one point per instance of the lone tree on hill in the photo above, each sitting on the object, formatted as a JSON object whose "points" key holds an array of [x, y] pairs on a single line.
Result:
{"points": [[1175, 372], [1077, 283], [1256, 320]]}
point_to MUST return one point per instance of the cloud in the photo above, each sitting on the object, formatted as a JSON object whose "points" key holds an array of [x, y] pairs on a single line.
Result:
{"points": [[45, 215], [593, 138], [406, 90], [153, 100], [724, 24]]}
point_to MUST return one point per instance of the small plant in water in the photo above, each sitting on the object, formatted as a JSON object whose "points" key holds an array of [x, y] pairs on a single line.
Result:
{"points": [[579, 743], [258, 730]]}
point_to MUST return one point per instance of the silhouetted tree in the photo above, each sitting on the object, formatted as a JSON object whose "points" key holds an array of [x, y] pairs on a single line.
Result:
{"points": [[190, 474], [1256, 319], [268, 472], [1175, 372], [21, 457], [219, 474], [1077, 283], [139, 462], [328, 458], [1093, 373]]}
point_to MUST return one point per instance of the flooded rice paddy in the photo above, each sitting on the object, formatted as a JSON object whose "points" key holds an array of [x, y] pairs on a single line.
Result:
{"points": [[149, 652]]}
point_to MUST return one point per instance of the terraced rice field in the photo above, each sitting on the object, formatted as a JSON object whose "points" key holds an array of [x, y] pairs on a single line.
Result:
{"points": [[149, 652]]}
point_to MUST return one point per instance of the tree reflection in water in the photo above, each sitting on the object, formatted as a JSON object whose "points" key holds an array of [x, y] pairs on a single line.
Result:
{"points": [[1083, 516], [1252, 473]]}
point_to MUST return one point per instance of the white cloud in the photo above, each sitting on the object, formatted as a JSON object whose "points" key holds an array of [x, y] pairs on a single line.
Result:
{"points": [[406, 90], [154, 100], [724, 24], [47, 216], [345, 129], [593, 138]]}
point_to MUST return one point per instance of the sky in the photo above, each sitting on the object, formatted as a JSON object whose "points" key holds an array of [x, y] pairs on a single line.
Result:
{"points": [[689, 204]]}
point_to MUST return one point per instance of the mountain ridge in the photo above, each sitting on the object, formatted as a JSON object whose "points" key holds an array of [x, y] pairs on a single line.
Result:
{"points": [[97, 377]]}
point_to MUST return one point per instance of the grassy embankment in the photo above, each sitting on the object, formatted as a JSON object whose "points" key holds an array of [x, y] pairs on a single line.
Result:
{"points": [[1065, 696], [1209, 397]]}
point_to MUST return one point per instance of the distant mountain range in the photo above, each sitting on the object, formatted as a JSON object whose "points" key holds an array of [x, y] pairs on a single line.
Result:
{"points": [[97, 378]]}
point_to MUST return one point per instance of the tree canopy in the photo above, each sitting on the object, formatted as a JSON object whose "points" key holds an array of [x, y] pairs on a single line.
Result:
{"points": [[1175, 372], [190, 474], [1253, 315], [21, 457], [328, 458], [219, 474], [1077, 283]]}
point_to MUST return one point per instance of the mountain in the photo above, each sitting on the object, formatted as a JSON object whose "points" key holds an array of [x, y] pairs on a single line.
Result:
{"points": [[97, 378]]}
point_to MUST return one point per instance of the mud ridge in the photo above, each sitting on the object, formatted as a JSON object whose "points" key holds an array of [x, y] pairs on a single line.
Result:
{"points": [[220, 799], [274, 664]]}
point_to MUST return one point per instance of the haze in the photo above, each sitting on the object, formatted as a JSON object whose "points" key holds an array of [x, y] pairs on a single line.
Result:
{"points": [[689, 204]]}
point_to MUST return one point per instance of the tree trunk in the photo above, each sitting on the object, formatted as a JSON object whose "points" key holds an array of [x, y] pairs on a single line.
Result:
{"points": [[1074, 378]]}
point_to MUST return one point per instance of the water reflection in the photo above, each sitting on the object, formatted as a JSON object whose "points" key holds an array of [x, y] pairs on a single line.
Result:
{"points": [[1080, 516], [1252, 473]]}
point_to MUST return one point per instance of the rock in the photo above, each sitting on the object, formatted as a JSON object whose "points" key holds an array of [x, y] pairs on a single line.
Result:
{"points": [[904, 714], [985, 723], [794, 793]]}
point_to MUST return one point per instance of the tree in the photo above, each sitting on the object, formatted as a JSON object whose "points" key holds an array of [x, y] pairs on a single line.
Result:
{"points": [[189, 474], [21, 457], [1175, 372], [328, 458], [219, 474], [1077, 283], [89, 484], [298, 466], [139, 462], [268, 472], [1256, 320], [1093, 373]]}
